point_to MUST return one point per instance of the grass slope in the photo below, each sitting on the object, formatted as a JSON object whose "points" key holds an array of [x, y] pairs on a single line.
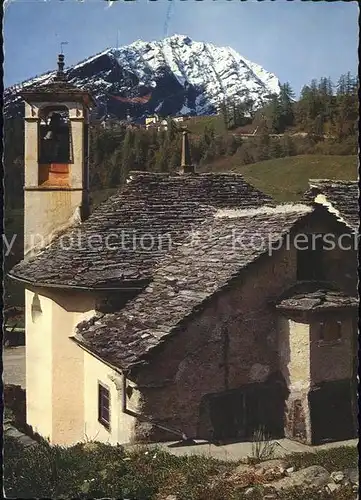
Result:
{"points": [[286, 179], [96, 470], [197, 124]]}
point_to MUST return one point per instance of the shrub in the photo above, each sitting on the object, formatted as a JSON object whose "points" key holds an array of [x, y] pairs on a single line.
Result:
{"points": [[332, 459], [15, 401], [95, 470], [262, 446], [301, 493]]}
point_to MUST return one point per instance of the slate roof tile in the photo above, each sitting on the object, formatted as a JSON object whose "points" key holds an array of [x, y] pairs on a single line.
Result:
{"points": [[186, 279], [161, 207], [342, 195], [315, 296], [54, 88]]}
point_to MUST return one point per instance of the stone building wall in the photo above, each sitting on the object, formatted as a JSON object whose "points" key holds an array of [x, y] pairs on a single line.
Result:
{"points": [[332, 360], [231, 343]]}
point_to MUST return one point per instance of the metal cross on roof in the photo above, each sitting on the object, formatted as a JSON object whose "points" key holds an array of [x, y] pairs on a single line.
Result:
{"points": [[61, 46]]}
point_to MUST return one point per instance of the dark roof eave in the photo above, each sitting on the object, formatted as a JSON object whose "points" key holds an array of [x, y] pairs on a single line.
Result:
{"points": [[62, 95], [126, 285], [317, 309], [75, 338], [236, 175], [125, 370]]}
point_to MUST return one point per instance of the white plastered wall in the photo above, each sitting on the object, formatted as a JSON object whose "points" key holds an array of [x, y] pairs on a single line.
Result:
{"points": [[55, 366], [121, 425], [39, 364]]}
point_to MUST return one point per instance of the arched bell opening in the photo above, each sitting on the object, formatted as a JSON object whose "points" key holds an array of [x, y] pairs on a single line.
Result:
{"points": [[55, 146]]}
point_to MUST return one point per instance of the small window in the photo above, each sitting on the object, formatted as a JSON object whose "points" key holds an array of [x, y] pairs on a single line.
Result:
{"points": [[104, 406], [330, 331]]}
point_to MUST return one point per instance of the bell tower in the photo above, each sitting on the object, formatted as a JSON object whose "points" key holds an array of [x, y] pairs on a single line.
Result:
{"points": [[56, 189]]}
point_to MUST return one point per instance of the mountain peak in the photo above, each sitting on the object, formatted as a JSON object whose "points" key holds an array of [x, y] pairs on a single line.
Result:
{"points": [[177, 74], [177, 37]]}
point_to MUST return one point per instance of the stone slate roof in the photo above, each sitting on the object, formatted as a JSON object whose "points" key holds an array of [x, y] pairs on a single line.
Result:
{"points": [[51, 87], [341, 195], [161, 208], [315, 296], [54, 90], [185, 281]]}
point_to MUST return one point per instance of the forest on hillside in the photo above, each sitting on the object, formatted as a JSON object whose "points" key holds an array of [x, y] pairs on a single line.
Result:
{"points": [[326, 114]]}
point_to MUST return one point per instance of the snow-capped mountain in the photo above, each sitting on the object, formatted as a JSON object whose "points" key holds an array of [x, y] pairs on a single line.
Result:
{"points": [[175, 76]]}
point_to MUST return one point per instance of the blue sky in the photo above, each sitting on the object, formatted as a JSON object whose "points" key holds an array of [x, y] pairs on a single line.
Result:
{"points": [[295, 40]]}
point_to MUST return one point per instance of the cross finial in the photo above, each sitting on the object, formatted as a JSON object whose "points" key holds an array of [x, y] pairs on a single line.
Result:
{"points": [[61, 46], [186, 162]]}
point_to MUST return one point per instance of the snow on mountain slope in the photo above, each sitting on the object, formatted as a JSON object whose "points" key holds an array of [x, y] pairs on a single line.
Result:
{"points": [[182, 75]]}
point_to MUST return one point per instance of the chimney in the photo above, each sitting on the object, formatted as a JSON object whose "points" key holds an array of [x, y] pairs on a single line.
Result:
{"points": [[186, 163]]}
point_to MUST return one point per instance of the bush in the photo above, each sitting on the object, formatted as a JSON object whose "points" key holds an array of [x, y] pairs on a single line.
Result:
{"points": [[15, 401], [332, 459], [95, 470], [300, 493]]}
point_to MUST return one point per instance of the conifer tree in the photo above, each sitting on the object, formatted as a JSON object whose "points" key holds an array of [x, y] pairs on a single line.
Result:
{"points": [[286, 99], [139, 151], [274, 115], [275, 148], [127, 157], [171, 129], [225, 113], [116, 178], [318, 126], [288, 146], [341, 85], [302, 107], [231, 145]]}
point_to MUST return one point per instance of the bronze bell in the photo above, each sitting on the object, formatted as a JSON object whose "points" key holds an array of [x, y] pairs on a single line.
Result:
{"points": [[54, 126], [48, 136]]}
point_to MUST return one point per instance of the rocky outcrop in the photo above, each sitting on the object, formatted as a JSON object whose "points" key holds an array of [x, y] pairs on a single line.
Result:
{"points": [[274, 479], [313, 476]]}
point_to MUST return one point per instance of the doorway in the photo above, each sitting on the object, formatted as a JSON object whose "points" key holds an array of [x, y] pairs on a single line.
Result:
{"points": [[237, 414], [331, 409]]}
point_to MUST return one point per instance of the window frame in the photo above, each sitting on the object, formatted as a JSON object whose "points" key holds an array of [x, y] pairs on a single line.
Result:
{"points": [[323, 339], [104, 392]]}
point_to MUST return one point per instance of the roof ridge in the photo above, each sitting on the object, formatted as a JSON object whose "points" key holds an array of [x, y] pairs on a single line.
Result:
{"points": [[334, 181], [149, 205], [279, 208], [178, 175]]}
